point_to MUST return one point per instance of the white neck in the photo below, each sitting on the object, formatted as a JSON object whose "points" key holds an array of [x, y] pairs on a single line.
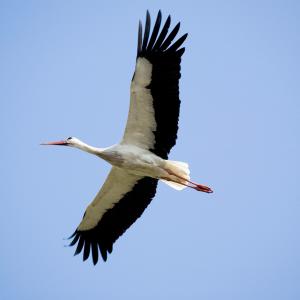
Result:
{"points": [[87, 148]]}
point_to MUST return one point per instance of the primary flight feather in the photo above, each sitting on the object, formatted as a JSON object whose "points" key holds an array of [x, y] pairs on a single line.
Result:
{"points": [[141, 158]]}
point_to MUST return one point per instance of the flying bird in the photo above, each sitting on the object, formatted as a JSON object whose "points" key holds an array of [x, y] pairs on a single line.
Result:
{"points": [[141, 158]]}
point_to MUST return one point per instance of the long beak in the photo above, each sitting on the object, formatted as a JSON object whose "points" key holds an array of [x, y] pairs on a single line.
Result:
{"points": [[58, 143]]}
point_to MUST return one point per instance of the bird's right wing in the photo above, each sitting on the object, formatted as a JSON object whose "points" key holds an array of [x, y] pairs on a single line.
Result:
{"points": [[119, 203], [152, 122]]}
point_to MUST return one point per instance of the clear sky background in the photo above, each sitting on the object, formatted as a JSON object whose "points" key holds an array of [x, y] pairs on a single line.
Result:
{"points": [[66, 67]]}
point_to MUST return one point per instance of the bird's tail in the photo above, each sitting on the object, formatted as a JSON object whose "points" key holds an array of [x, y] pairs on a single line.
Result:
{"points": [[178, 168]]}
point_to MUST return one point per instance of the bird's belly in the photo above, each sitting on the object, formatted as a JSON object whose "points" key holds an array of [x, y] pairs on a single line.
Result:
{"points": [[143, 166], [144, 170], [139, 162]]}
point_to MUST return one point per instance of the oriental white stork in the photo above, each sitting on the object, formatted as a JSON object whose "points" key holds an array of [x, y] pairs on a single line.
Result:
{"points": [[140, 159]]}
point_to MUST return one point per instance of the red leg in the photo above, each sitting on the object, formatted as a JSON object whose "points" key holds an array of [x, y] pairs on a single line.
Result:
{"points": [[187, 185], [197, 186]]}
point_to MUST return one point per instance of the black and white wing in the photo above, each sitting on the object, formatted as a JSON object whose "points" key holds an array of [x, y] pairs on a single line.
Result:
{"points": [[154, 101], [119, 203]]}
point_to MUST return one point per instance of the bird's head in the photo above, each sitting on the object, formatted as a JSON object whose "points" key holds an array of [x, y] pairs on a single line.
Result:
{"points": [[77, 143], [70, 141]]}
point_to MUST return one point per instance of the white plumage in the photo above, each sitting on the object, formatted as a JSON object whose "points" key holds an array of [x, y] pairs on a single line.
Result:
{"points": [[141, 158], [141, 118]]}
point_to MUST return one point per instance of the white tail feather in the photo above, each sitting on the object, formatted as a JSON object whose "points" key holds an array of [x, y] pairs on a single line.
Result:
{"points": [[177, 168], [182, 166]]}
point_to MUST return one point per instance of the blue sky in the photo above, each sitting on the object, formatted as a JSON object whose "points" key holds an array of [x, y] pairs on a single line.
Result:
{"points": [[66, 67]]}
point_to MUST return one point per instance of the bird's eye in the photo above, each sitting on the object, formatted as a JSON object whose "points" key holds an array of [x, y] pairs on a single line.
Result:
{"points": [[69, 138]]}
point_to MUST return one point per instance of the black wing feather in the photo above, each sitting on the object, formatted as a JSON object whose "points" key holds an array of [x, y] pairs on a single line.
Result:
{"points": [[163, 34], [95, 252], [177, 44], [87, 248], [140, 37], [170, 37], [147, 31], [75, 239], [155, 31], [103, 251], [80, 244]]}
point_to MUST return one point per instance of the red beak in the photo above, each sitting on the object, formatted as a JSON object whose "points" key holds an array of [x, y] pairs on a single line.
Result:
{"points": [[58, 143]]}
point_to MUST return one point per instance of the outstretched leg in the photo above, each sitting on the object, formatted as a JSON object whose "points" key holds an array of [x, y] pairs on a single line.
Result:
{"points": [[188, 183]]}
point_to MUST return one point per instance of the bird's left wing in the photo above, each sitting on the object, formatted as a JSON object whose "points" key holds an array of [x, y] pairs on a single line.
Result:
{"points": [[119, 203]]}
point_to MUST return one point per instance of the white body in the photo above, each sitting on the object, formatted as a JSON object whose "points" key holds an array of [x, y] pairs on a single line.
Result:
{"points": [[135, 160]]}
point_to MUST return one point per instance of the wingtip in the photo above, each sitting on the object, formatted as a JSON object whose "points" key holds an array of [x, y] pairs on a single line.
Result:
{"points": [[71, 236], [74, 241], [146, 31], [184, 36], [148, 17], [79, 246], [159, 15], [140, 27], [178, 26]]}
